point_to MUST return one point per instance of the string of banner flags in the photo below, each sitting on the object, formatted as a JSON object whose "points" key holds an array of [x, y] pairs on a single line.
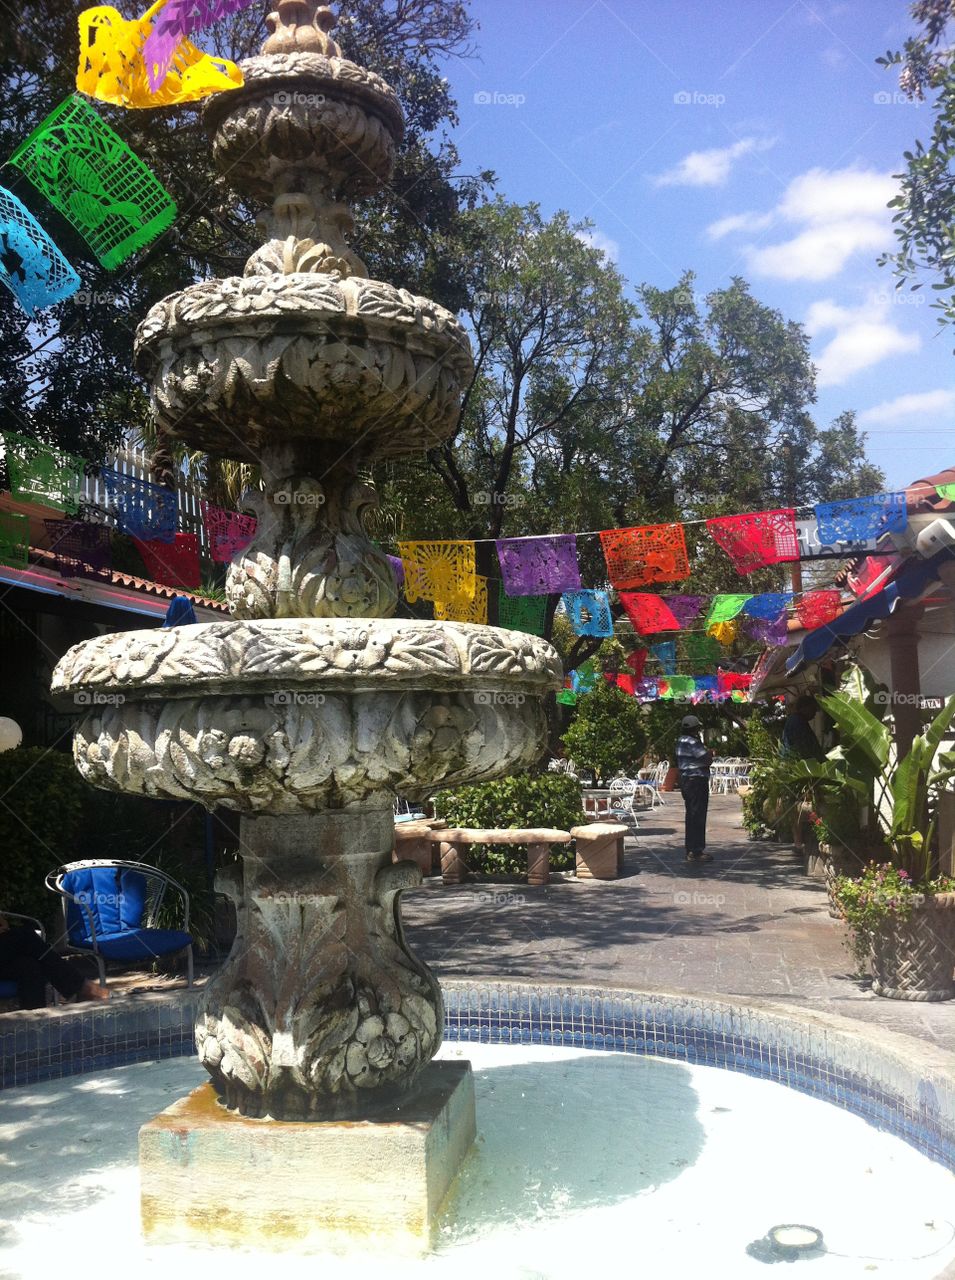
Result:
{"points": [[533, 568]]}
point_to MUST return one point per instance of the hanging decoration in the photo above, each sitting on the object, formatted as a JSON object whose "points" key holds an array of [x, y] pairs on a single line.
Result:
{"points": [[589, 612], [769, 631], [636, 661], [723, 608], [521, 613], [229, 532], [724, 632], [769, 605], [464, 608], [684, 608], [142, 509], [173, 564], [730, 682], [665, 654], [681, 687], [397, 565], [439, 571], [648, 613], [566, 696], [172, 22], [861, 519], [113, 62], [14, 539], [80, 548], [647, 689], [89, 175], [645, 555], [31, 266], [539, 566], [702, 649], [39, 473], [584, 679], [624, 681], [757, 539], [816, 608], [707, 689], [946, 491]]}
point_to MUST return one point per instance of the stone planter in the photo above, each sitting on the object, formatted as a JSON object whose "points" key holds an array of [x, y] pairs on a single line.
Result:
{"points": [[914, 959]]}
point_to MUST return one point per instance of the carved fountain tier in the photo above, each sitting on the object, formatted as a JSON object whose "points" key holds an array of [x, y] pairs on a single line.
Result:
{"points": [[312, 707]]}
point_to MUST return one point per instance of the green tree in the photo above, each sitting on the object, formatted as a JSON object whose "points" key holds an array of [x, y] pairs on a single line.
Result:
{"points": [[925, 206], [607, 734]]}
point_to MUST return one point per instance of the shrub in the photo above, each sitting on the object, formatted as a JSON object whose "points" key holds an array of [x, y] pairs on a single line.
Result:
{"points": [[40, 814], [881, 895], [607, 734], [552, 800]]}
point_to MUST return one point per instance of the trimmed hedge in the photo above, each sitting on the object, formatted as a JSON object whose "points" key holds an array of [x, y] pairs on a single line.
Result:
{"points": [[551, 800]]}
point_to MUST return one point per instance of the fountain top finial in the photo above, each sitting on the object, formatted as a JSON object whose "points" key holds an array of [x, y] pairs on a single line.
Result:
{"points": [[300, 25]]}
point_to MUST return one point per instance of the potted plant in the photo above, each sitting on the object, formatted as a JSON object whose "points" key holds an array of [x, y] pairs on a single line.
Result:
{"points": [[900, 912]]}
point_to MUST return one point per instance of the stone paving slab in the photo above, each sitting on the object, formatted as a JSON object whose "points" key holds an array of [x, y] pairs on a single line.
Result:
{"points": [[750, 923]]}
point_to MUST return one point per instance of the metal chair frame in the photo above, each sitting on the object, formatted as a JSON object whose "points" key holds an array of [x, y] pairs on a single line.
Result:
{"points": [[54, 882]]}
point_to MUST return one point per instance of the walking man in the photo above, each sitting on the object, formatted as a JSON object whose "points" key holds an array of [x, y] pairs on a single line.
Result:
{"points": [[693, 766]]}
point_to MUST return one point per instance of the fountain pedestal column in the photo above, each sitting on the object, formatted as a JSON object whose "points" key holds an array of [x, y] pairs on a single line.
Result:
{"points": [[320, 1002]]}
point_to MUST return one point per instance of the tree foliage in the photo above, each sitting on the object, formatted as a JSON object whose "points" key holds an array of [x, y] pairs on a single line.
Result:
{"points": [[607, 734], [924, 215]]}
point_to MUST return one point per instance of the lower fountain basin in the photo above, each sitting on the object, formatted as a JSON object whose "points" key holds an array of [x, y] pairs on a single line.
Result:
{"points": [[291, 716]]}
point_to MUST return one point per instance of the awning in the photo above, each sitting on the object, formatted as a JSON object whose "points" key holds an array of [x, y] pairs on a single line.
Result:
{"points": [[911, 582]]}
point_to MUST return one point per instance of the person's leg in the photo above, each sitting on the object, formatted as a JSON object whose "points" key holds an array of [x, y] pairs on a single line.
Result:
{"points": [[697, 802], [31, 963]]}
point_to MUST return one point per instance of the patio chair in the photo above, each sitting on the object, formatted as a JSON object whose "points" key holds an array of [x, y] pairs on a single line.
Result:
{"points": [[8, 988], [111, 907]]}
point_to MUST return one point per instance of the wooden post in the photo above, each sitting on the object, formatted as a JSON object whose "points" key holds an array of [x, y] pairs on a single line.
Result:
{"points": [[903, 637], [946, 833]]}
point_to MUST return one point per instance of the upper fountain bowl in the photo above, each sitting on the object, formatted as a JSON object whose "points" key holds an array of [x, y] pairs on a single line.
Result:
{"points": [[238, 364]]}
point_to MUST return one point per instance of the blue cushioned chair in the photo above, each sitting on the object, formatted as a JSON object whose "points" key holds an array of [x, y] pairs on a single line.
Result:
{"points": [[111, 908], [8, 989]]}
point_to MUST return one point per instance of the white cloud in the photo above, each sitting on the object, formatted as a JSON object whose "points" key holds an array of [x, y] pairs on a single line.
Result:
{"points": [[819, 252], [864, 336], [597, 240], [917, 404], [739, 222], [830, 195], [710, 168], [835, 214]]}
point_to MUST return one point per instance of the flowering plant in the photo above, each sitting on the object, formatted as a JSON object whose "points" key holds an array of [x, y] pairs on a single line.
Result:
{"points": [[883, 894]]}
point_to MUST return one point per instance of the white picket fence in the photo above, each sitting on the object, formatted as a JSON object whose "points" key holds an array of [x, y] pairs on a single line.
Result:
{"points": [[132, 462]]}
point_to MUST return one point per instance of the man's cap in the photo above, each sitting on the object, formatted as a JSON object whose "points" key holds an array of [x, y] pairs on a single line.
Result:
{"points": [[691, 722]]}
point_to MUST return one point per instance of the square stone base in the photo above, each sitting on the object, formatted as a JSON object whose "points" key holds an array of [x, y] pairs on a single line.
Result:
{"points": [[210, 1176]]}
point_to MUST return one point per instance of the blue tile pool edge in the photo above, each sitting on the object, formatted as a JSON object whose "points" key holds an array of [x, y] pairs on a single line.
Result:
{"points": [[896, 1083]]}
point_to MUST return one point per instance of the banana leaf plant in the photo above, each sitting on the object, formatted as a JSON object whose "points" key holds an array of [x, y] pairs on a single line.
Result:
{"points": [[902, 791]]}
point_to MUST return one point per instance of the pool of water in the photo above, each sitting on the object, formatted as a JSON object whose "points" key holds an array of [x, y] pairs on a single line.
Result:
{"points": [[582, 1158]]}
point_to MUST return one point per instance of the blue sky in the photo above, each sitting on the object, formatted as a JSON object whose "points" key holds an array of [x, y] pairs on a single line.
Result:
{"points": [[730, 137]]}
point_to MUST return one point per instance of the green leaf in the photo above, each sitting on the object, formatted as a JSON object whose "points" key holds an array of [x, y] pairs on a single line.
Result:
{"points": [[858, 728]]}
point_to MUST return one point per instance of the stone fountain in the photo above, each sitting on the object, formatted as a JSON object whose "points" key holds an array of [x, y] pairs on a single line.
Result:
{"points": [[312, 707]]}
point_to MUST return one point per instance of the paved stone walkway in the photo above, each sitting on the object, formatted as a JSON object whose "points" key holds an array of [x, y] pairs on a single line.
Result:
{"points": [[748, 924]]}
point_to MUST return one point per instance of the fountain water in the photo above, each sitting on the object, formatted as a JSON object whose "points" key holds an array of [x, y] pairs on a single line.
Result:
{"points": [[312, 707]]}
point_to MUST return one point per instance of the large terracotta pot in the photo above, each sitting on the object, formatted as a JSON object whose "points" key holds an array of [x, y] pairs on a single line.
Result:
{"points": [[914, 959]]}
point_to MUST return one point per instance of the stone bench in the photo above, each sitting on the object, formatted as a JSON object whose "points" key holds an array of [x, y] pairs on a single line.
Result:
{"points": [[454, 841], [412, 843], [599, 847]]}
